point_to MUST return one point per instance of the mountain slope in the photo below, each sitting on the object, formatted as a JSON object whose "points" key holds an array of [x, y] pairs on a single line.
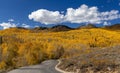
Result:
{"points": [[60, 28], [113, 27], [88, 26]]}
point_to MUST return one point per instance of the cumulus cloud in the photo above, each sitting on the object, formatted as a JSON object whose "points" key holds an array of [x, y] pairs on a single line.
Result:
{"points": [[82, 14], [46, 17], [25, 25], [36, 26], [106, 23], [10, 24], [11, 20], [6, 25], [109, 15], [85, 14]]}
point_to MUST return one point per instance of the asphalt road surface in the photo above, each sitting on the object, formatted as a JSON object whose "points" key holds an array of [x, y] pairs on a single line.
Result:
{"points": [[44, 67]]}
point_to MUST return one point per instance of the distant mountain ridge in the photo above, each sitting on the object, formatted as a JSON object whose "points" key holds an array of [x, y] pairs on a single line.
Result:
{"points": [[113, 27], [55, 28], [88, 26], [59, 28]]}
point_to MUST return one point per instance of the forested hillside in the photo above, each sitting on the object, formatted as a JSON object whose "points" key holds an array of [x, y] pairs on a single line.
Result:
{"points": [[21, 47]]}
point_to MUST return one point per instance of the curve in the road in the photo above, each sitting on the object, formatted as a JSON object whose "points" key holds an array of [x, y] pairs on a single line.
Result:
{"points": [[44, 67]]}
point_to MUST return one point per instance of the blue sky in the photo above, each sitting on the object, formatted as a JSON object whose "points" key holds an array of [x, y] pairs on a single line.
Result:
{"points": [[15, 12]]}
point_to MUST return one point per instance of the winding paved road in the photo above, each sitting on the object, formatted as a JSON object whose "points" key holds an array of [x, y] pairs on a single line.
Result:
{"points": [[44, 67]]}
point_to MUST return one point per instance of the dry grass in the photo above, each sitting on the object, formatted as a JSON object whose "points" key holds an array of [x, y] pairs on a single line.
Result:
{"points": [[98, 60]]}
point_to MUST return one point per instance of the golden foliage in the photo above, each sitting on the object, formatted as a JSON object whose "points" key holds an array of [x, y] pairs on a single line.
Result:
{"points": [[3, 65], [22, 47]]}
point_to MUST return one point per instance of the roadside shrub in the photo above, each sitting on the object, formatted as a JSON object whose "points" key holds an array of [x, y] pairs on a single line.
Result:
{"points": [[3, 65], [58, 53]]}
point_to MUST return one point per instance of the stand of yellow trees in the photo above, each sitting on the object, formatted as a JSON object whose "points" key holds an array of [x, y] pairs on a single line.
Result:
{"points": [[21, 47]]}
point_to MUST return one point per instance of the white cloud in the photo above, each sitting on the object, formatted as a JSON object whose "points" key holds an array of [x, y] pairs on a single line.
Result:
{"points": [[7, 25], [85, 14], [82, 14], [109, 15], [25, 25], [36, 26], [46, 17], [106, 23], [11, 20], [62, 12]]}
